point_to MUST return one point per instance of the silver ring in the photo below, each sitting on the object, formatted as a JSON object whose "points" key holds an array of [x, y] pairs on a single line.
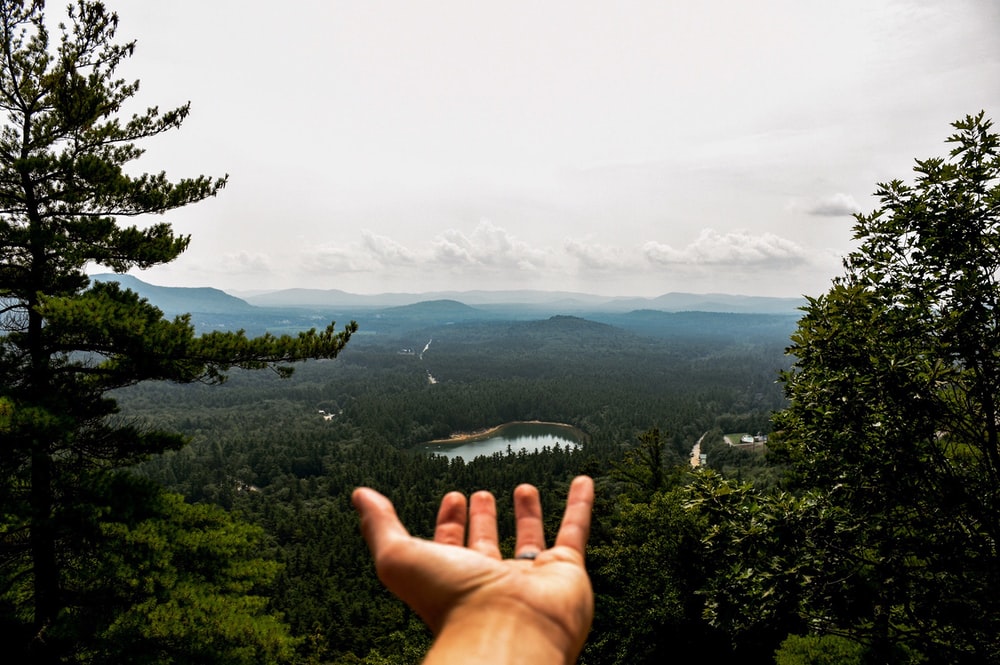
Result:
{"points": [[526, 555]]}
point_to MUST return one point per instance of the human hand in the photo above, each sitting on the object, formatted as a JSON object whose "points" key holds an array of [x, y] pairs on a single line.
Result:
{"points": [[484, 608]]}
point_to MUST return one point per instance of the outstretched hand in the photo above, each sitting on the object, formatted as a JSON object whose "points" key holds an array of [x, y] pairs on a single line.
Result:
{"points": [[471, 597]]}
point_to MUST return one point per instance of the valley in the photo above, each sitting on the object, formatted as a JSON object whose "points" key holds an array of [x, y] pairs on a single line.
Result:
{"points": [[611, 377]]}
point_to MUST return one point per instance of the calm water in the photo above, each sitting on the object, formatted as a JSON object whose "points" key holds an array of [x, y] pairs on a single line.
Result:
{"points": [[516, 436]]}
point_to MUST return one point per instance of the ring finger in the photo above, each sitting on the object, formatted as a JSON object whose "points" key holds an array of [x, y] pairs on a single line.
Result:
{"points": [[528, 515]]}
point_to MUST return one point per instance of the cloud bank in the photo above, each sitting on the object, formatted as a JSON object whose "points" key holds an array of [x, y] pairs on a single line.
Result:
{"points": [[491, 256], [835, 205], [712, 248]]}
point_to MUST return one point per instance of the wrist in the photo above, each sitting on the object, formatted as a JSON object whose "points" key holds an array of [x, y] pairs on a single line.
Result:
{"points": [[504, 632]]}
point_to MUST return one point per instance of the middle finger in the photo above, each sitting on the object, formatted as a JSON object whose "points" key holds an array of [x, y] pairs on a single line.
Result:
{"points": [[483, 525], [528, 514]]}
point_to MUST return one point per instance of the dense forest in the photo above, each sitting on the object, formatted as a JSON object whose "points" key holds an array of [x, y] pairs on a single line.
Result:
{"points": [[260, 449]]}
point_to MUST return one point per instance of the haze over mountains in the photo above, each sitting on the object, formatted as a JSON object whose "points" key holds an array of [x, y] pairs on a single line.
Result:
{"points": [[530, 320], [175, 300]]}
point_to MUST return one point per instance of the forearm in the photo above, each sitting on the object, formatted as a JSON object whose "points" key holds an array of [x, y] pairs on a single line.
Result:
{"points": [[500, 636]]}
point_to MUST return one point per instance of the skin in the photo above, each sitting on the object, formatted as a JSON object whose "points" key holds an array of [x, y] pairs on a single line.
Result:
{"points": [[483, 608]]}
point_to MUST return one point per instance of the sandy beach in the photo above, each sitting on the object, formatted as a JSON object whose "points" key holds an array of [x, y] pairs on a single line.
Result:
{"points": [[466, 437]]}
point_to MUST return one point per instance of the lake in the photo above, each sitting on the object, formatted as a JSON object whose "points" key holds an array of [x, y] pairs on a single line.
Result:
{"points": [[527, 436]]}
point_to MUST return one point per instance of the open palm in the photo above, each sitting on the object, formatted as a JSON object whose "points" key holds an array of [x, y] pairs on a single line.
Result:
{"points": [[461, 574]]}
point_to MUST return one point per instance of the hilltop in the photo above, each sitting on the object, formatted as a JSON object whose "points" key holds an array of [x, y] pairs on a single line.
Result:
{"points": [[181, 300]]}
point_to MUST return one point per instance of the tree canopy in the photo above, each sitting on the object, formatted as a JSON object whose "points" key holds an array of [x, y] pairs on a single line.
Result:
{"points": [[890, 536]]}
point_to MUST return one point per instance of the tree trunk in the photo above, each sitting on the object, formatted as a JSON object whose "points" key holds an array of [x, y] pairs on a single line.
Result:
{"points": [[43, 553]]}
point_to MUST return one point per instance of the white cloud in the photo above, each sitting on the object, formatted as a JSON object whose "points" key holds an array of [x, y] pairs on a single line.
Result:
{"points": [[714, 248], [453, 248], [595, 256], [386, 250], [489, 246], [374, 253], [835, 205]]}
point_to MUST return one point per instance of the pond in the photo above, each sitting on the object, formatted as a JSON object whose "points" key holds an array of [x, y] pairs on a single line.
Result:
{"points": [[527, 436]]}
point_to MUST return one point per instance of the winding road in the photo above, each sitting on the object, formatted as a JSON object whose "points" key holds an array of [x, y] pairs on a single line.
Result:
{"points": [[696, 452]]}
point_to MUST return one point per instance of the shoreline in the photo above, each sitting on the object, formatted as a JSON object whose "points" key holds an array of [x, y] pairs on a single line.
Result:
{"points": [[481, 434]]}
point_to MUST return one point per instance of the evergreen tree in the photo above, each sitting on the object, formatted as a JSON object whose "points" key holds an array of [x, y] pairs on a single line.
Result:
{"points": [[64, 189], [172, 582]]}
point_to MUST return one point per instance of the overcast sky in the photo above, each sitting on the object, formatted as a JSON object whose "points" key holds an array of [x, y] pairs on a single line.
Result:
{"points": [[633, 147]]}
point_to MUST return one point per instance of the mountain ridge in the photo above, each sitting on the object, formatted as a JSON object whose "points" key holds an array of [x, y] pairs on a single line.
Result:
{"points": [[174, 299], [181, 299], [570, 300]]}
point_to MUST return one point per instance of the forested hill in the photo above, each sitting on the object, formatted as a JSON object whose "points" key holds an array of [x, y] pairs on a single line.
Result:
{"points": [[438, 310], [181, 300], [563, 330]]}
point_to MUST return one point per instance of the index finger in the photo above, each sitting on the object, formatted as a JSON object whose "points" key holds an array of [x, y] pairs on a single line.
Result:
{"points": [[483, 535], [575, 527], [451, 519]]}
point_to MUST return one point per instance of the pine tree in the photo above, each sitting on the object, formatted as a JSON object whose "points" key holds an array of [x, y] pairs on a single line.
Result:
{"points": [[64, 343]]}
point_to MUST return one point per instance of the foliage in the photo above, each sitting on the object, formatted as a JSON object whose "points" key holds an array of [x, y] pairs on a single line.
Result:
{"points": [[643, 466], [174, 582], [753, 464], [890, 537], [65, 181], [645, 574], [819, 650], [765, 546]]}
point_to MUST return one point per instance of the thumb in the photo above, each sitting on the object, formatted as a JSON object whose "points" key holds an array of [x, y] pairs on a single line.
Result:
{"points": [[380, 526]]}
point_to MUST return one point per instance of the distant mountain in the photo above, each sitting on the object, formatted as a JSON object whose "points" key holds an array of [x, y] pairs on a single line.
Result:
{"points": [[293, 304], [181, 300], [716, 302], [313, 298], [337, 298], [437, 309], [544, 301]]}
